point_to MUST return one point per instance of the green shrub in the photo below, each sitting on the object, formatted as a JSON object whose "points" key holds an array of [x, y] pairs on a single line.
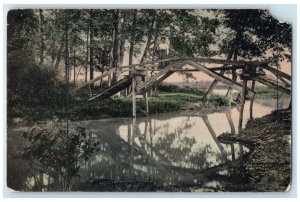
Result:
{"points": [[59, 155], [218, 100], [170, 88]]}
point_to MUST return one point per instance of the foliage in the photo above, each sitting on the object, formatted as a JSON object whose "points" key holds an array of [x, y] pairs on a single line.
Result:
{"points": [[218, 100], [264, 92], [176, 89], [40, 40], [60, 155], [254, 33]]}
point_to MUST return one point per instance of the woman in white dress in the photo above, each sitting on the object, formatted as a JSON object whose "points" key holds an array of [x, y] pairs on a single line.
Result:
{"points": [[163, 52]]}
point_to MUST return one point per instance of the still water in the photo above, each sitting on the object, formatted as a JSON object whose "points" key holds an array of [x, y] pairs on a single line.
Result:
{"points": [[170, 152]]}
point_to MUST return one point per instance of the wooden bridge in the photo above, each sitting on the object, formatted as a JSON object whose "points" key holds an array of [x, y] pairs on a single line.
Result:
{"points": [[249, 69]]}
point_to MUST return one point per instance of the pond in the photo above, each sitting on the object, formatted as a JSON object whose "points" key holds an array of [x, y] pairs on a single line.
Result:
{"points": [[176, 151]]}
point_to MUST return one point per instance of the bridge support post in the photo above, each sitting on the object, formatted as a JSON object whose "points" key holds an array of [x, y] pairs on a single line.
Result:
{"points": [[240, 126], [212, 87], [147, 103], [252, 100], [133, 95], [242, 105]]}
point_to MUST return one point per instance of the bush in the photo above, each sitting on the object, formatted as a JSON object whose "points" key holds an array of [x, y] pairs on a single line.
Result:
{"points": [[59, 155], [170, 88], [218, 100]]}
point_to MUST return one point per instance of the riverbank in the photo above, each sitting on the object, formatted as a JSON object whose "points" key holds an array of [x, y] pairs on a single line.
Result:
{"points": [[78, 109], [268, 166]]}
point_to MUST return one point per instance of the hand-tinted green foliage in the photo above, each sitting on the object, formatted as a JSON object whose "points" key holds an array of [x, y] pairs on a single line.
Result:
{"points": [[264, 92], [176, 89], [256, 34], [59, 155], [43, 45], [218, 100]]}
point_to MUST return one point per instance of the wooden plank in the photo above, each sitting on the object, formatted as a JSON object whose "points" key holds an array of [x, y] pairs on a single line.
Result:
{"points": [[211, 87], [220, 78], [202, 60], [277, 72], [272, 84], [148, 87], [95, 79], [282, 79], [156, 76], [226, 68], [115, 88]]}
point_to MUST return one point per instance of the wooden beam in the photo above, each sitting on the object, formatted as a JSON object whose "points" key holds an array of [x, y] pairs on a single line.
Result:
{"points": [[220, 78], [95, 79], [212, 87], [243, 96], [159, 80], [252, 101], [147, 103], [202, 60], [281, 79], [272, 84], [277, 72], [226, 68], [161, 73]]}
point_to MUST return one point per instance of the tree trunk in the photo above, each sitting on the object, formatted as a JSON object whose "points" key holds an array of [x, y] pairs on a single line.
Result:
{"points": [[123, 39], [59, 54], [66, 52], [132, 38], [87, 54], [42, 47], [74, 65], [155, 38], [53, 55], [238, 38], [117, 43], [91, 46], [150, 34]]}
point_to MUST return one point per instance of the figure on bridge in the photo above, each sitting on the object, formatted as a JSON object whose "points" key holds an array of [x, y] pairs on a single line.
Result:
{"points": [[163, 52]]}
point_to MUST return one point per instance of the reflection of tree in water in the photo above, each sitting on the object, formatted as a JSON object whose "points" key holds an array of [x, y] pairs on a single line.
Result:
{"points": [[160, 162], [167, 147], [177, 148], [200, 158]]}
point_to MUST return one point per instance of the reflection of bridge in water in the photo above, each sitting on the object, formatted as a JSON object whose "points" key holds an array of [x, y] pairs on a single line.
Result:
{"points": [[138, 157]]}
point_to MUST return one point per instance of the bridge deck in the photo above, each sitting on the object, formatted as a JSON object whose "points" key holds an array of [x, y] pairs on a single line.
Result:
{"points": [[177, 65], [112, 90]]}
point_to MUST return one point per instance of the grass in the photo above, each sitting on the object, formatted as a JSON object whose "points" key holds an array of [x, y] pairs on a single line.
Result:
{"points": [[263, 92], [218, 100], [168, 100]]}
